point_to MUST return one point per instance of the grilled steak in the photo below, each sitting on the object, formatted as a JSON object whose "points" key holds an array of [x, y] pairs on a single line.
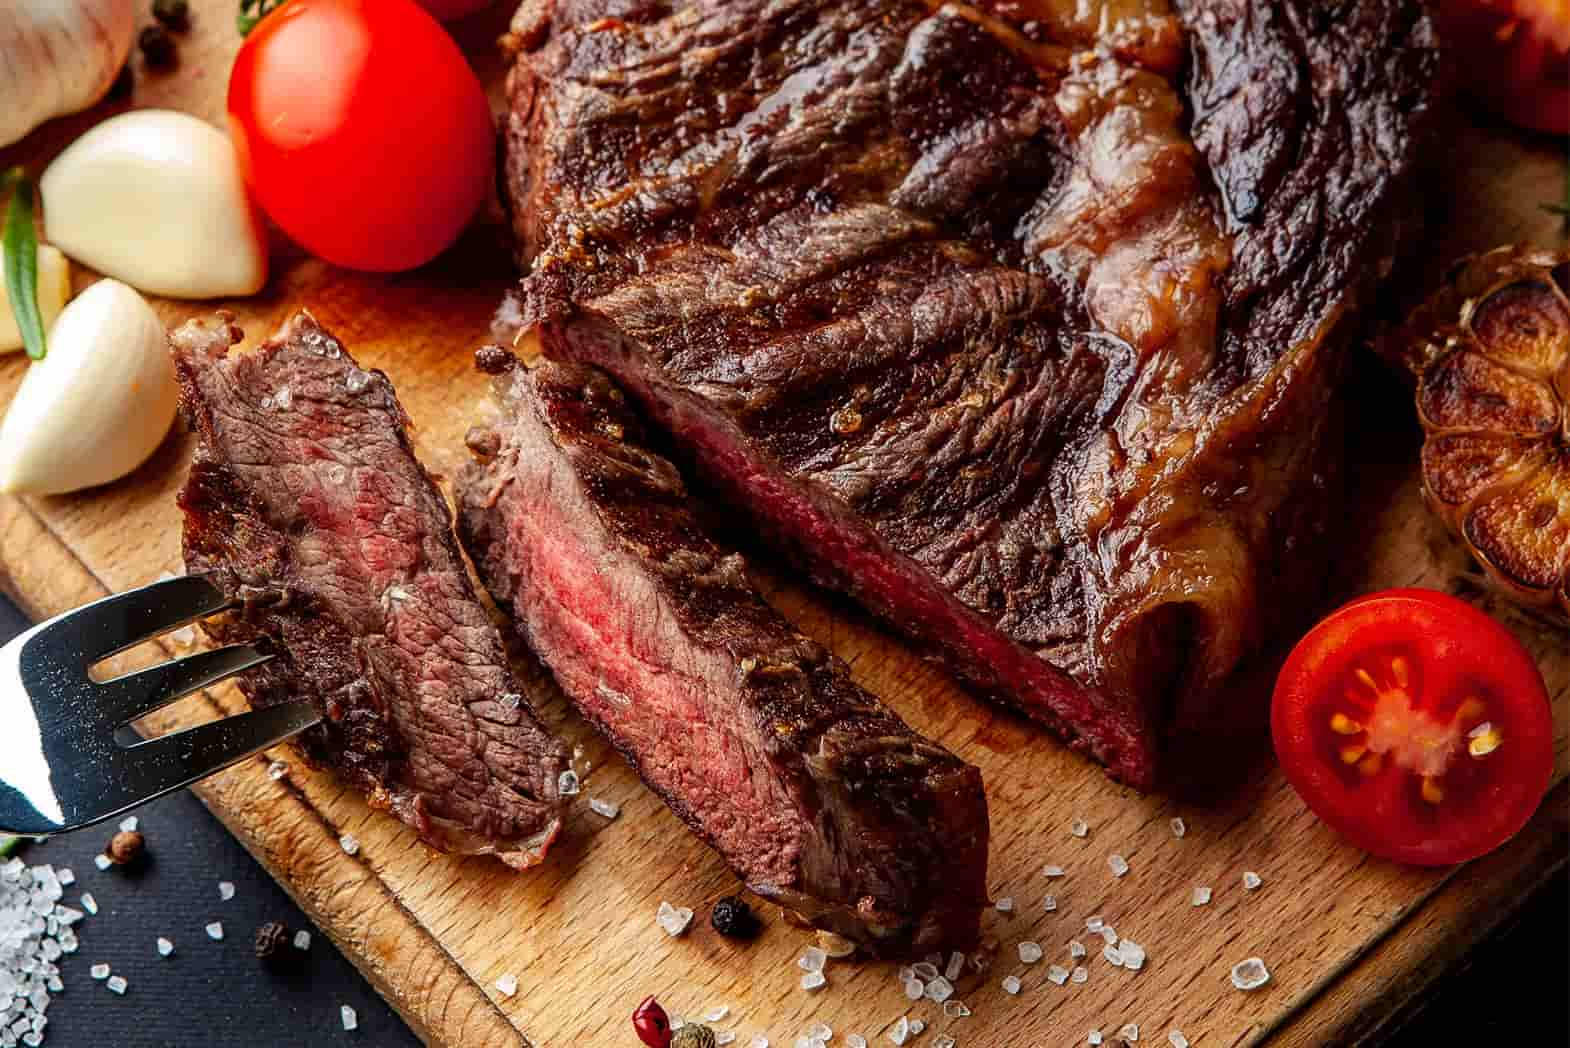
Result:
{"points": [[817, 796], [306, 502], [1018, 322]]}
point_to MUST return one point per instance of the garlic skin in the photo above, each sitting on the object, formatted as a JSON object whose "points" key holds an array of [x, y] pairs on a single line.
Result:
{"points": [[155, 198], [54, 290], [98, 404], [58, 57]]}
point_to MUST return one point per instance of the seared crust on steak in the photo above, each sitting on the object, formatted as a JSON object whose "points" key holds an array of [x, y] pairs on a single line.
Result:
{"points": [[1018, 322], [307, 505], [819, 797]]}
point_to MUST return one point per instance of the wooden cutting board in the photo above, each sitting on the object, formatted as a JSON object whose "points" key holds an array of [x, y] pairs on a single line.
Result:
{"points": [[1348, 939]]}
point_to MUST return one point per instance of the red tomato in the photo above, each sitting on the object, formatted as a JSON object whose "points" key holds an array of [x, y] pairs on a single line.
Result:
{"points": [[1514, 55], [1416, 726], [361, 130]]}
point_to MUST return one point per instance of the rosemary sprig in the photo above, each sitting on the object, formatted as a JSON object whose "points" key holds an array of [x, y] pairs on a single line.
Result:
{"points": [[21, 261]]}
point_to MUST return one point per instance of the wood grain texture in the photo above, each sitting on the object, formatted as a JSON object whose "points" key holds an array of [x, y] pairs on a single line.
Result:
{"points": [[1347, 938]]}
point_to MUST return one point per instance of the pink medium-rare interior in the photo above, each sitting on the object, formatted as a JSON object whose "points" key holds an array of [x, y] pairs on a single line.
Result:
{"points": [[655, 699], [847, 555]]}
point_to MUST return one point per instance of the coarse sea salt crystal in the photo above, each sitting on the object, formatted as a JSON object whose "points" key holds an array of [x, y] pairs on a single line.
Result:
{"points": [[116, 984], [1109, 935], [277, 770], [925, 970], [507, 984], [943, 1041], [901, 1030], [812, 959], [350, 844], [1117, 864], [915, 989], [723, 1037], [1005, 904], [761, 1041], [356, 380], [302, 940], [1079, 974], [854, 1040], [1252, 880], [103, 862], [1011, 984], [956, 966], [165, 947], [1029, 952], [674, 920], [1201, 896], [1094, 1037], [1076, 949], [89, 903], [1130, 1032], [129, 824], [225, 890], [351, 1021], [605, 808], [1052, 871], [1079, 828], [567, 783], [1057, 974], [1250, 974], [66, 876], [939, 990], [1113, 955], [99, 972], [956, 1009], [1176, 1039], [813, 981], [1133, 954], [716, 1013], [1179, 827], [215, 931], [1050, 903], [1094, 924], [820, 1031]]}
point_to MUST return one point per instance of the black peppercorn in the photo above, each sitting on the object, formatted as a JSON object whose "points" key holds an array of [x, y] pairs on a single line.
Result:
{"points": [[734, 919], [273, 947], [125, 847], [174, 15], [157, 47]]}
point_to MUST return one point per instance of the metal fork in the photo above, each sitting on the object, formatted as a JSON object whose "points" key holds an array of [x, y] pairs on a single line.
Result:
{"points": [[68, 756]]}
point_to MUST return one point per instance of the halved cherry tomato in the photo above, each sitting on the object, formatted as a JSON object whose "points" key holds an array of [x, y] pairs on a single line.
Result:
{"points": [[361, 130], [1416, 726], [1514, 55]]}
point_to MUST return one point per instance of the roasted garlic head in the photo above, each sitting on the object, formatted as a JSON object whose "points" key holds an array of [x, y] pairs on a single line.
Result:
{"points": [[1491, 351]]}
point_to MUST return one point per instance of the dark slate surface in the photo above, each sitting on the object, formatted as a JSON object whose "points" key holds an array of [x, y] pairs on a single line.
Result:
{"points": [[211, 994]]}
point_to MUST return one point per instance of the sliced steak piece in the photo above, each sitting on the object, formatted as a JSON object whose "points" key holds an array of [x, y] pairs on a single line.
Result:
{"points": [[1004, 319], [820, 798], [306, 503]]}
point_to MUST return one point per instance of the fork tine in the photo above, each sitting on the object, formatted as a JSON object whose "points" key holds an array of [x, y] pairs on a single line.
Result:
{"points": [[128, 697], [157, 766], [115, 623]]}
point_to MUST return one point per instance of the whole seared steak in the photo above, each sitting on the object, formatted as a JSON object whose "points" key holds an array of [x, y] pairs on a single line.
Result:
{"points": [[819, 797], [306, 503], [1018, 322]]}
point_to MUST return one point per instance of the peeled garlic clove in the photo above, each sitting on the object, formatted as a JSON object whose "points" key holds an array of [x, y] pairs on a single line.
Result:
{"points": [[155, 198], [54, 288], [98, 404]]}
